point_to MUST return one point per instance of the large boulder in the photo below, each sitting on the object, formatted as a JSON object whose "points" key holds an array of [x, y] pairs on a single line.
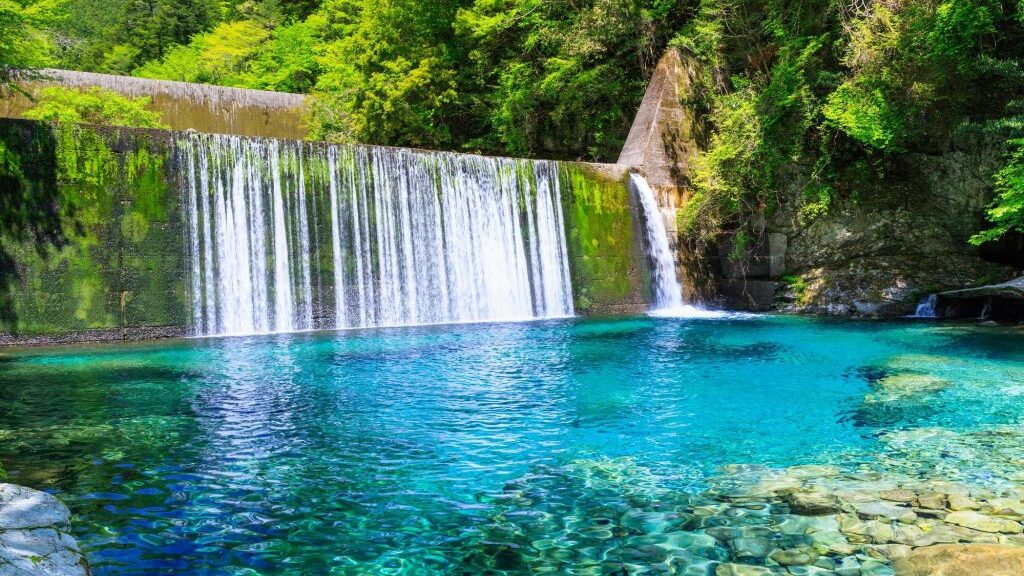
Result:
{"points": [[33, 535], [962, 560]]}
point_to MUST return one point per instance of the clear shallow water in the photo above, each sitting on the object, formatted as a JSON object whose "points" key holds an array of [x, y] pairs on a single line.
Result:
{"points": [[392, 451]]}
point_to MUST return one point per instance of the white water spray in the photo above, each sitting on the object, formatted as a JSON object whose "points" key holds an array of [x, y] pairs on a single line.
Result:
{"points": [[407, 237]]}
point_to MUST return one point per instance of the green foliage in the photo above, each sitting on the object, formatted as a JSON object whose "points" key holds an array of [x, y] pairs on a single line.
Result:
{"points": [[92, 106], [216, 57], [1007, 211], [559, 77], [810, 103], [913, 68], [24, 47], [387, 73]]}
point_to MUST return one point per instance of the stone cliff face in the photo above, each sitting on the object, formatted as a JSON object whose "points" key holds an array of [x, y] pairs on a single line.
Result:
{"points": [[873, 254], [876, 254]]}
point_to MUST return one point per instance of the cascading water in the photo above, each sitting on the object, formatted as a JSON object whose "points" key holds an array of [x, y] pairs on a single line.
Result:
{"points": [[668, 293], [926, 307], [290, 236]]}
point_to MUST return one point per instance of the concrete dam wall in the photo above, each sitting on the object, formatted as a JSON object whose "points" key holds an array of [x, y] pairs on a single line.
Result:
{"points": [[162, 229]]}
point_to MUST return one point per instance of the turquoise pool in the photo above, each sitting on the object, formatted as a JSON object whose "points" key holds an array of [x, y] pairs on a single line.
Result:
{"points": [[395, 451]]}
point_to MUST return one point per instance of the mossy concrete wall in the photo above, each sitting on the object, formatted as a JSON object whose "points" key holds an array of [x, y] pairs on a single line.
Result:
{"points": [[184, 105], [123, 273], [606, 258]]}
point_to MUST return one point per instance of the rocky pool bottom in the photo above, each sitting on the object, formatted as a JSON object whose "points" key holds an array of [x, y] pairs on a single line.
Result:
{"points": [[743, 445]]}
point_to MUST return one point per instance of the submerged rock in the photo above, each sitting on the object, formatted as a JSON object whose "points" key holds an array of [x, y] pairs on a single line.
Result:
{"points": [[33, 535], [983, 523], [962, 560], [900, 386], [813, 503]]}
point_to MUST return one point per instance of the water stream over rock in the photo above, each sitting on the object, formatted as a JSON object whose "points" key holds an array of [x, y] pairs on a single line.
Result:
{"points": [[668, 292]]}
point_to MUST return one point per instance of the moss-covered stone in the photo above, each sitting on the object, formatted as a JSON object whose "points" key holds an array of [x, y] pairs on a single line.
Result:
{"points": [[122, 263], [605, 257]]}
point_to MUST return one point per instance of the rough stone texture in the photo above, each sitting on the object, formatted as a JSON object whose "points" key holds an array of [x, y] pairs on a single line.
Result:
{"points": [[878, 255], [873, 256], [664, 138], [962, 560], [665, 134], [184, 105], [1003, 301], [33, 535]]}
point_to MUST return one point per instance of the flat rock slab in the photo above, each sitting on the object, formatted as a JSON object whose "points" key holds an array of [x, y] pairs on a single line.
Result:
{"points": [[1014, 290], [33, 535], [962, 560]]}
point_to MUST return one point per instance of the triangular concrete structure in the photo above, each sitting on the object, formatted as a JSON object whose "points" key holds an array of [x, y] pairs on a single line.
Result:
{"points": [[666, 132]]}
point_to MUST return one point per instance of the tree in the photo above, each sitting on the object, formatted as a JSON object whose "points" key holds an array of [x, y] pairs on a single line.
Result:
{"points": [[388, 73], [24, 46], [155, 26], [1007, 211]]}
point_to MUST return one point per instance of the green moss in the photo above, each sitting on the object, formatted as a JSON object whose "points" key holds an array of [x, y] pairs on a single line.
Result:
{"points": [[603, 254], [122, 266]]}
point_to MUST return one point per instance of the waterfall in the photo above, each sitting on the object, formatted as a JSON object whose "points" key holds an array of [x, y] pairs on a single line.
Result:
{"points": [[287, 235], [668, 293], [926, 307]]}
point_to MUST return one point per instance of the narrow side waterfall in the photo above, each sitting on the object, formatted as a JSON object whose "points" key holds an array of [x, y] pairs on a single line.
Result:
{"points": [[926, 307], [287, 235], [668, 292]]}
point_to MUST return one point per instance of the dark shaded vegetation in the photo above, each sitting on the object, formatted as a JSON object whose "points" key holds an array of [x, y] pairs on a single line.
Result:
{"points": [[32, 210]]}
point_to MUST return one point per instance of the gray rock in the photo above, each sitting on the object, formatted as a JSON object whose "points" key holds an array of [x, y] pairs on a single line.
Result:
{"points": [[962, 502], [848, 566], [33, 541], [885, 510], [794, 556], [751, 546], [899, 495], [23, 508], [932, 501], [730, 569]]}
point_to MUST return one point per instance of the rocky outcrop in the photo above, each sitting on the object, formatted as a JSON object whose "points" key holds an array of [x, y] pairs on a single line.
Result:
{"points": [[998, 301], [870, 251], [875, 254], [34, 539]]}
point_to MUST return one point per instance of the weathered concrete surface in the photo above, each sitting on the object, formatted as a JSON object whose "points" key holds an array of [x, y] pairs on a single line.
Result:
{"points": [[665, 133], [184, 105], [963, 560], [665, 137], [33, 535]]}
